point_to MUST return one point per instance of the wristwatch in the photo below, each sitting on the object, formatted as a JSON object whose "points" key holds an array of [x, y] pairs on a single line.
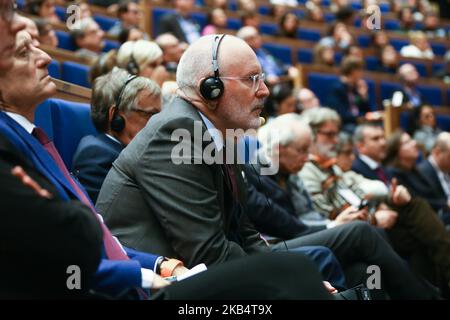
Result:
{"points": [[169, 266]]}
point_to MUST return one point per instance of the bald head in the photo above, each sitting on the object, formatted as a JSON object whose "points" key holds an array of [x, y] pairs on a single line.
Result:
{"points": [[250, 35], [408, 73], [308, 99], [196, 62]]}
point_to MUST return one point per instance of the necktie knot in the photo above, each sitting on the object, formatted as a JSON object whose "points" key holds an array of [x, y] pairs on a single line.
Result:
{"points": [[40, 135]]}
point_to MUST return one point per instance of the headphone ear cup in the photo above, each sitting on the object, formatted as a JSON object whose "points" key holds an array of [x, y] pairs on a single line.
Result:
{"points": [[117, 123], [211, 88], [133, 67]]}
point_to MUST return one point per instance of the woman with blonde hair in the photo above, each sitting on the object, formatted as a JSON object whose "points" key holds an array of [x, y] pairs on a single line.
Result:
{"points": [[143, 58]]}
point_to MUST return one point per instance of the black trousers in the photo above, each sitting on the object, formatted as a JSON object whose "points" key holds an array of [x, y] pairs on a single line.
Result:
{"points": [[263, 276], [358, 245]]}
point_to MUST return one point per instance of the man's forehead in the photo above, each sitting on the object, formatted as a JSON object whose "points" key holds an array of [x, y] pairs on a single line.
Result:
{"points": [[22, 38]]}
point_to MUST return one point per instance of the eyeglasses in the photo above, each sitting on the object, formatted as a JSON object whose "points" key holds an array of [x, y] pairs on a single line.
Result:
{"points": [[145, 113], [7, 10], [254, 80], [329, 134]]}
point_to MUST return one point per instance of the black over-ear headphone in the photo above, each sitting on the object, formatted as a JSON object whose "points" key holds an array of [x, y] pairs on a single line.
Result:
{"points": [[118, 122], [212, 87], [133, 66]]}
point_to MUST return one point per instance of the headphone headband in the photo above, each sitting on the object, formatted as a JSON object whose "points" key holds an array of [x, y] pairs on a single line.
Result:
{"points": [[211, 88]]}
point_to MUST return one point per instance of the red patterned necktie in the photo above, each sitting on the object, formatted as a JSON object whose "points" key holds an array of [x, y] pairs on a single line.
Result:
{"points": [[113, 249]]}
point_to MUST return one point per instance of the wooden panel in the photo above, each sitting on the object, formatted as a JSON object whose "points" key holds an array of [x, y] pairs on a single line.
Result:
{"points": [[72, 92]]}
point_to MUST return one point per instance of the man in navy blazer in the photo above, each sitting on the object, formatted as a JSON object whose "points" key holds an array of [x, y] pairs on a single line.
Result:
{"points": [[121, 106], [371, 145], [436, 169], [22, 88]]}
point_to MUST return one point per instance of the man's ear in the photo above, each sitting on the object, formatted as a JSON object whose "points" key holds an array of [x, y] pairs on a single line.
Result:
{"points": [[111, 111]]}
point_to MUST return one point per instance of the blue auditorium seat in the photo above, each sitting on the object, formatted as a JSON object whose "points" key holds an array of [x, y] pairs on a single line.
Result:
{"points": [[280, 51], [431, 94], [64, 40], [448, 97], [234, 23], [233, 5], [61, 12], [443, 121], [387, 89], [320, 83], [384, 7], [329, 17], [301, 14], [399, 43], [372, 95], [356, 6], [338, 57], [364, 40], [372, 63], [20, 4], [105, 23], [75, 73], [264, 10], [268, 28], [305, 55], [157, 14], [66, 123], [392, 25], [110, 45], [309, 34], [436, 66], [200, 18], [54, 69], [439, 49]]}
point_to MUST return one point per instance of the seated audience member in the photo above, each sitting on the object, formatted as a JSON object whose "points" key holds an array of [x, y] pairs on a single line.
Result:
{"points": [[314, 12], [130, 34], [389, 60], [338, 36], [349, 95], [431, 25], [401, 161], [354, 51], [43, 8], [444, 73], [23, 87], [85, 10], [278, 204], [307, 100], [287, 25], [411, 224], [89, 39], [405, 16], [102, 65], [202, 204], [180, 23], [409, 78], [249, 19], [437, 170], [35, 253], [284, 100], [426, 131], [323, 55], [379, 40], [217, 20], [247, 5], [346, 15], [121, 107], [370, 143], [419, 47], [172, 50], [47, 35], [143, 58], [129, 15], [272, 68]]}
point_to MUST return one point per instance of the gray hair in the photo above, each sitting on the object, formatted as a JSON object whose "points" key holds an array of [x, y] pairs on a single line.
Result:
{"points": [[318, 116], [343, 140], [358, 135], [142, 51], [282, 131], [106, 91], [196, 63], [443, 141]]}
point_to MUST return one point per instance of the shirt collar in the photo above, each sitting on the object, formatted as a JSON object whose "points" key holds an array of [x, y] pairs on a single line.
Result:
{"points": [[435, 166], [113, 139], [369, 161], [213, 131], [24, 122]]}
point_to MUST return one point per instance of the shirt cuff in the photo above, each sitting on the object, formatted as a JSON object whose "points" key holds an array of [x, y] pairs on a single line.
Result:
{"points": [[147, 278], [331, 224]]}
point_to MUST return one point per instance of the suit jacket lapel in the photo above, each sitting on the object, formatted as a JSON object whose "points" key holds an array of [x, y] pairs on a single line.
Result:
{"points": [[41, 158]]}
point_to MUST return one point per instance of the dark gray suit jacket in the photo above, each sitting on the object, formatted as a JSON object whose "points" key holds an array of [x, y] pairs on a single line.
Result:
{"points": [[176, 210]]}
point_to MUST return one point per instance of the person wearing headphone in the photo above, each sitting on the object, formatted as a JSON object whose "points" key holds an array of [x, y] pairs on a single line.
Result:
{"points": [[177, 196], [121, 106], [143, 58]]}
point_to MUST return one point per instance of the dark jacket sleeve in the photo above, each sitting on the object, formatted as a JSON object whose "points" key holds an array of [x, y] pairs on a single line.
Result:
{"points": [[41, 238], [267, 216]]}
